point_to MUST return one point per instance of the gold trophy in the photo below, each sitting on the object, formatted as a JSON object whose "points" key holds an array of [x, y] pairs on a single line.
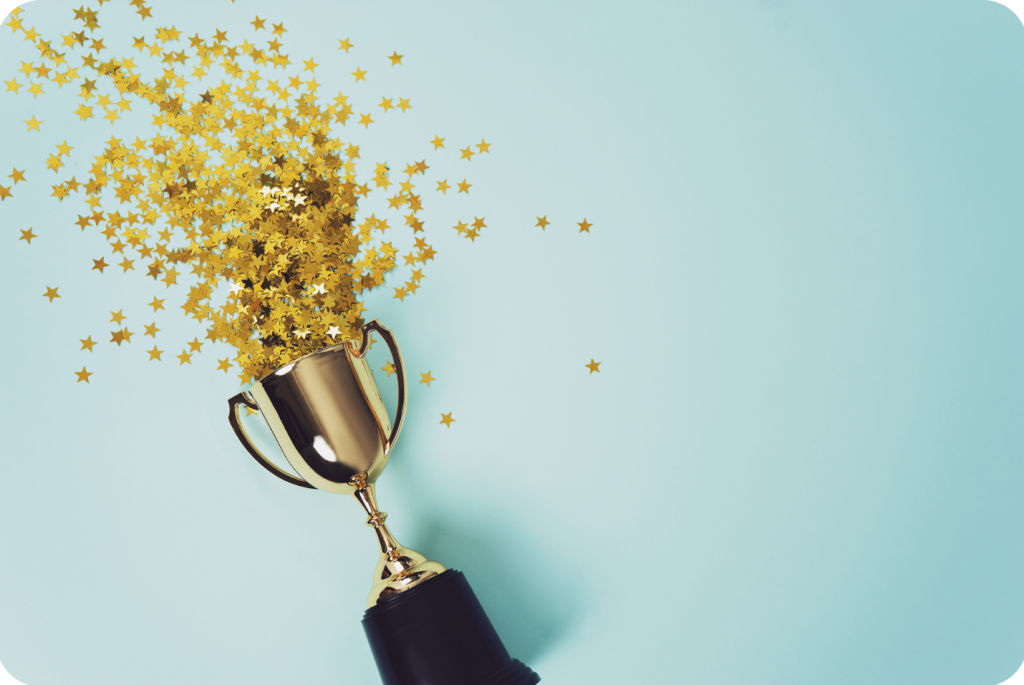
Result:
{"points": [[423, 621]]}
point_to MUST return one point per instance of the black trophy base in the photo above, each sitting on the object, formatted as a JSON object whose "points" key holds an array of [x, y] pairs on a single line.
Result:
{"points": [[438, 634]]}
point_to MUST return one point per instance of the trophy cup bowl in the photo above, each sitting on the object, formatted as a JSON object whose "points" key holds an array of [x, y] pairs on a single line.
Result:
{"points": [[423, 621]]}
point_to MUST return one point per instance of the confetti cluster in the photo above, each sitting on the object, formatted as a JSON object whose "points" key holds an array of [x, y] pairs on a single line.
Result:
{"points": [[246, 177], [249, 173]]}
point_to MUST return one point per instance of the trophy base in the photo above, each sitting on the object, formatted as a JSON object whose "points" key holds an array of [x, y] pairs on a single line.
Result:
{"points": [[438, 634]]}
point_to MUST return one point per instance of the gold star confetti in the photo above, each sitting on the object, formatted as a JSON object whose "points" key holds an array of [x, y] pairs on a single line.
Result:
{"points": [[593, 366], [443, 186], [154, 354], [467, 154], [543, 222], [224, 364], [447, 419], [584, 226], [83, 375], [389, 368], [27, 236], [152, 330], [88, 343], [484, 146], [426, 378], [243, 184], [184, 358], [51, 293], [117, 317]]}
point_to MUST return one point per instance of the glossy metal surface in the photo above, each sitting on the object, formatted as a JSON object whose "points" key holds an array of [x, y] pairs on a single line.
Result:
{"points": [[327, 415]]}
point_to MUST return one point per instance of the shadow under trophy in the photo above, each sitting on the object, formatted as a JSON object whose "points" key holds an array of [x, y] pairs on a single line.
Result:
{"points": [[424, 624]]}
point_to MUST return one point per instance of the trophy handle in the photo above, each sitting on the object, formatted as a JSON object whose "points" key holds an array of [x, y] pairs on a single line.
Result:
{"points": [[233, 406], [396, 355]]}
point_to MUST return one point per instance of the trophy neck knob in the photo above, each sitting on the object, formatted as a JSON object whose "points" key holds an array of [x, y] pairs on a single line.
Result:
{"points": [[398, 568]]}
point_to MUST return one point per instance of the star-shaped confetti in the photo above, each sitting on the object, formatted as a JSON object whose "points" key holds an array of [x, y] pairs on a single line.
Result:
{"points": [[593, 366], [447, 419]]}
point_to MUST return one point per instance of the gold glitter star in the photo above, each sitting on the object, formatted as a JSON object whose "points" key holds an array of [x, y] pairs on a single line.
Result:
{"points": [[154, 354], [464, 187], [51, 293], [224, 364], [88, 343], [344, 44], [184, 358], [17, 176], [27, 236], [194, 345], [437, 142], [389, 368], [395, 58], [258, 23], [484, 146], [467, 154], [426, 378], [443, 186], [156, 304], [447, 419], [117, 317], [83, 375], [152, 330], [543, 222], [359, 74], [99, 265], [33, 123], [593, 366], [584, 226]]}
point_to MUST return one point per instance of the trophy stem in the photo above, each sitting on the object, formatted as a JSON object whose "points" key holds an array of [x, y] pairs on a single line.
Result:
{"points": [[368, 499], [399, 568]]}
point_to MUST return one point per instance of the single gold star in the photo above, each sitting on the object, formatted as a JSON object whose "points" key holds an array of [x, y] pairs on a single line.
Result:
{"points": [[443, 186], [279, 29], [464, 187], [359, 74], [88, 343], [389, 367], [395, 58], [258, 24], [365, 120], [584, 226], [4, 193], [224, 364], [467, 154], [83, 375], [27, 236], [385, 104], [543, 222], [344, 44], [447, 419], [17, 176], [194, 345], [426, 378], [593, 366], [438, 142], [184, 358], [33, 123], [99, 265], [403, 104], [51, 293], [155, 354], [484, 146], [117, 317], [156, 304], [152, 330]]}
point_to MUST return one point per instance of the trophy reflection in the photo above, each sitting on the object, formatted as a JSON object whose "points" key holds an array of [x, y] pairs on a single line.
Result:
{"points": [[423, 621]]}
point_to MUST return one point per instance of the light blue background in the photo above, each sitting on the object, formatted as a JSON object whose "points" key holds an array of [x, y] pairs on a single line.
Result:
{"points": [[799, 464]]}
